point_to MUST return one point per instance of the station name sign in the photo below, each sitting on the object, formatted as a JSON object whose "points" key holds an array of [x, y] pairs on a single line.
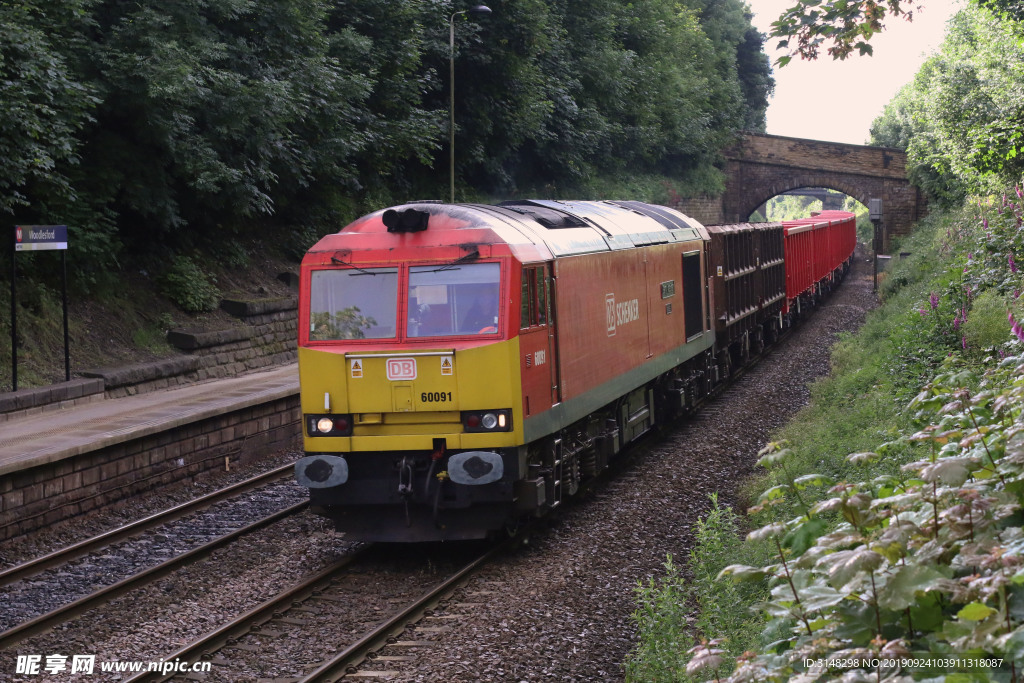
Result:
{"points": [[40, 237]]}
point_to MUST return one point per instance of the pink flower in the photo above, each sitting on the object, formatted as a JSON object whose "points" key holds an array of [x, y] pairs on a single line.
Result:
{"points": [[1013, 266], [965, 342], [933, 299], [1020, 195]]}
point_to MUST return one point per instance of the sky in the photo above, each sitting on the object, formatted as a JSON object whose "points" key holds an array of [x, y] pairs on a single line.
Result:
{"points": [[866, 83]]}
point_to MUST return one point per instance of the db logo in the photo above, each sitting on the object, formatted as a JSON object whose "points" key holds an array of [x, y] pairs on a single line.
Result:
{"points": [[401, 368], [609, 313]]}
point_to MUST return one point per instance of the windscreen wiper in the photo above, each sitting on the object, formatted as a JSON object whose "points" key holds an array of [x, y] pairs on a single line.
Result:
{"points": [[335, 259], [471, 256]]}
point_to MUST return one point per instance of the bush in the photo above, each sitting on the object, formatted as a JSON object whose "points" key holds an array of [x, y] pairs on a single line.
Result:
{"points": [[191, 289], [986, 327], [726, 629], [662, 622]]}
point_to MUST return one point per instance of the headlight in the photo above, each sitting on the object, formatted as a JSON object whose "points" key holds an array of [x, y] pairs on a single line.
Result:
{"points": [[329, 425], [487, 421]]}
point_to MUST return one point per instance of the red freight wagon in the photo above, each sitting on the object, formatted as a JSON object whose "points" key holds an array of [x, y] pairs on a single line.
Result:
{"points": [[816, 248], [843, 239], [799, 262]]}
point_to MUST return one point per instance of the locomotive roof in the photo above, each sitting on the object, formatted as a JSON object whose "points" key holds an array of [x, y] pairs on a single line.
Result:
{"points": [[543, 228]]}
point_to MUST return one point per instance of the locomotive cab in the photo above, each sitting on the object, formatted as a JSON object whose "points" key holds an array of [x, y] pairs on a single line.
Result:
{"points": [[410, 379]]}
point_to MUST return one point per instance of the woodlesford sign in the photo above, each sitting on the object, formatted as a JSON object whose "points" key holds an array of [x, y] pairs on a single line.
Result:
{"points": [[40, 237]]}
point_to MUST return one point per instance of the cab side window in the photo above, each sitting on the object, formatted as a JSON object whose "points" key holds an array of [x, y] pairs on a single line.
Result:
{"points": [[534, 301]]}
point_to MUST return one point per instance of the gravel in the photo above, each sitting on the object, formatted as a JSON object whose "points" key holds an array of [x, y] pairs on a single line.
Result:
{"points": [[39, 594], [26, 547]]}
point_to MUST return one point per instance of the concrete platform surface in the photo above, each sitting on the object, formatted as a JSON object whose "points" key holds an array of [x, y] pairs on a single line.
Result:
{"points": [[52, 436]]}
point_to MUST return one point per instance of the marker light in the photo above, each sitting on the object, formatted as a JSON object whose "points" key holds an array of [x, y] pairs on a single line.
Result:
{"points": [[328, 425], [487, 421]]}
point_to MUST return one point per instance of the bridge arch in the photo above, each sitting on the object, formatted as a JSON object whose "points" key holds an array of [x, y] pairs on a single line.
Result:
{"points": [[760, 167]]}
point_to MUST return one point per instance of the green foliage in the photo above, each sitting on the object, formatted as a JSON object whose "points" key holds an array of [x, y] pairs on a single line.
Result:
{"points": [[662, 621], [154, 126], [189, 287], [913, 542], [809, 24], [668, 648], [719, 542], [45, 105], [986, 329], [960, 119], [787, 207]]}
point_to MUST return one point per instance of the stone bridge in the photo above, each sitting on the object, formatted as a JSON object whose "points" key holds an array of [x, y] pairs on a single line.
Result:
{"points": [[760, 167]]}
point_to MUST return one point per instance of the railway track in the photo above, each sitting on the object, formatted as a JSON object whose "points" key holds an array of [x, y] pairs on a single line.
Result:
{"points": [[314, 602], [53, 587]]}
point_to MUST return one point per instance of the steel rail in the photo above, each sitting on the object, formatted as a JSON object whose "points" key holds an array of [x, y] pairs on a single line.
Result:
{"points": [[337, 667], [72, 552], [211, 642], [106, 594]]}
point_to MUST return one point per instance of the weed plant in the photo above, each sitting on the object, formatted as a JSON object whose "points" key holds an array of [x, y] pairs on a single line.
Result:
{"points": [[911, 547]]}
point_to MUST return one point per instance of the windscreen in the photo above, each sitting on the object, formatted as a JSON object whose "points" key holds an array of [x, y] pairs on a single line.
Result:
{"points": [[357, 303], [453, 300]]}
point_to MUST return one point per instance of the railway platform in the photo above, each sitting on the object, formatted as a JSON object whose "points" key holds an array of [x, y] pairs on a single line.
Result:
{"points": [[59, 463]]}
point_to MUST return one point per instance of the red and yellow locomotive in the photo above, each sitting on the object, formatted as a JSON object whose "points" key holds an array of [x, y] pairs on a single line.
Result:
{"points": [[465, 366]]}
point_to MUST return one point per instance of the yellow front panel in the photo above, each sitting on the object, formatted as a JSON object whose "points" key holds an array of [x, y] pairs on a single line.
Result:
{"points": [[402, 401]]}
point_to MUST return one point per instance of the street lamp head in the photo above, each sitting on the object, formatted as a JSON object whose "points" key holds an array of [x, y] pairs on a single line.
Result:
{"points": [[480, 9]]}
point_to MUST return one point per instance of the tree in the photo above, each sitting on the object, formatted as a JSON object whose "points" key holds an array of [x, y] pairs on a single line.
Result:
{"points": [[45, 104], [960, 119]]}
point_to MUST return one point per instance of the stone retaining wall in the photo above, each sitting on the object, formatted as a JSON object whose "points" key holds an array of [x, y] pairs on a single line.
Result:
{"points": [[40, 496], [265, 336], [54, 397], [268, 336]]}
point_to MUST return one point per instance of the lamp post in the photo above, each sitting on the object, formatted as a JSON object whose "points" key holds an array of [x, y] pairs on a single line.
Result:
{"points": [[476, 9]]}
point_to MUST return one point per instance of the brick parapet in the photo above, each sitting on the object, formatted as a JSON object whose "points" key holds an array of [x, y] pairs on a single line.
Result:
{"points": [[877, 162]]}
